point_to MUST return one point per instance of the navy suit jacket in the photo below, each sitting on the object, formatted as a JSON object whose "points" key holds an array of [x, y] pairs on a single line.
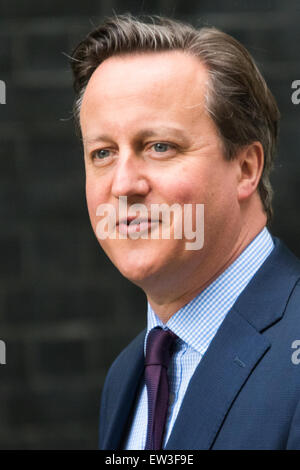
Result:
{"points": [[245, 392]]}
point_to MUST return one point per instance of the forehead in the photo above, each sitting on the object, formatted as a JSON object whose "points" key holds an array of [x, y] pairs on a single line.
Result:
{"points": [[165, 71], [145, 84]]}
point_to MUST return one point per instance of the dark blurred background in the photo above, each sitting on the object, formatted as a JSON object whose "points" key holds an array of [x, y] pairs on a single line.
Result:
{"points": [[65, 311]]}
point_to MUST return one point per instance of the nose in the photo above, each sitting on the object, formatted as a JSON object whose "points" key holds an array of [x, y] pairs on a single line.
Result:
{"points": [[129, 177]]}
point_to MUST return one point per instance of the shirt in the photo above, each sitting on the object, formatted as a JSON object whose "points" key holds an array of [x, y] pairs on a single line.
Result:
{"points": [[196, 324]]}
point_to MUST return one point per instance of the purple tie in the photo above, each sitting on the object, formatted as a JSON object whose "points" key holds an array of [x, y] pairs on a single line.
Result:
{"points": [[158, 354]]}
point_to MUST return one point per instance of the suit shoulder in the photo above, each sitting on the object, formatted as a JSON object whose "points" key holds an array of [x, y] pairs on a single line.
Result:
{"points": [[289, 259], [294, 299]]}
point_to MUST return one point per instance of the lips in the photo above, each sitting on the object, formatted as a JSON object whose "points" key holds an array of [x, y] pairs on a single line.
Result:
{"points": [[136, 225], [135, 220]]}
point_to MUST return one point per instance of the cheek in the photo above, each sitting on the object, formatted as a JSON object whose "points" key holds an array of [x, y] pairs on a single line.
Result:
{"points": [[184, 186], [91, 201], [190, 190], [94, 197], [180, 193]]}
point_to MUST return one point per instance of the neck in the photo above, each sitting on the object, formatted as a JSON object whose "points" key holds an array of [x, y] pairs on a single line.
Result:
{"points": [[165, 303]]}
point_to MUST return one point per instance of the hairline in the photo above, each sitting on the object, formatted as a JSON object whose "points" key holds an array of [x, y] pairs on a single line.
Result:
{"points": [[208, 83]]}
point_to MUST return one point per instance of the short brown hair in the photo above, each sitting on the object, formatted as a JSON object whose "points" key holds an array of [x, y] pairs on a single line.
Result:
{"points": [[237, 98]]}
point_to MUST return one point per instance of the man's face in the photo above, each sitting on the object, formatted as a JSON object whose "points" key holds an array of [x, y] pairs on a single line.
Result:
{"points": [[147, 136]]}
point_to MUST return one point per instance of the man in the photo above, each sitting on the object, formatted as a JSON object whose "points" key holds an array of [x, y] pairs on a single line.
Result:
{"points": [[171, 115]]}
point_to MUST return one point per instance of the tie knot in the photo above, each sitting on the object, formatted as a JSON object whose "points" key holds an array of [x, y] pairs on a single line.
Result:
{"points": [[159, 347]]}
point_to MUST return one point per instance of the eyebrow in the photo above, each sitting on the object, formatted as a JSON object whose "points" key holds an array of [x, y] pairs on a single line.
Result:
{"points": [[142, 134]]}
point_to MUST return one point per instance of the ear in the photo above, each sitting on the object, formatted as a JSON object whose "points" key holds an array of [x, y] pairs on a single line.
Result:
{"points": [[251, 164]]}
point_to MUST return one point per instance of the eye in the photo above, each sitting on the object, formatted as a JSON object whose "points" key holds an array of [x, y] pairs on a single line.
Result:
{"points": [[163, 150], [101, 154], [161, 147]]}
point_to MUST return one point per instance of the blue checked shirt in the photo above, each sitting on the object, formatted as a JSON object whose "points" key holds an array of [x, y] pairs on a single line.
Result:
{"points": [[196, 324]]}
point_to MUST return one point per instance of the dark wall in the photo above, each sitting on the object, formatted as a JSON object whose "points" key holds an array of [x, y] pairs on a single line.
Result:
{"points": [[65, 311]]}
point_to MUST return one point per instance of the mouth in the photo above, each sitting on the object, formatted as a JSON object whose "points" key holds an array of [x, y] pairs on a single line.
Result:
{"points": [[133, 224]]}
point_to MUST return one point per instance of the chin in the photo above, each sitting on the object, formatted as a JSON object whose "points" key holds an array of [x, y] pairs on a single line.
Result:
{"points": [[139, 263], [136, 274], [137, 270]]}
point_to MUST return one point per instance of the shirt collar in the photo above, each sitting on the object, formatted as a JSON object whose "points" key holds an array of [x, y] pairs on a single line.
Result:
{"points": [[197, 322]]}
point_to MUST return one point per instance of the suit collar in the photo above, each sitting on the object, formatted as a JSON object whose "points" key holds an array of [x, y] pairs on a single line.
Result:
{"points": [[264, 300], [234, 352], [224, 368]]}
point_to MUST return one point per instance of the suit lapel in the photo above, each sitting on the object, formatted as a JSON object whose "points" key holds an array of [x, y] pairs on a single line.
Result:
{"points": [[123, 394], [234, 352], [230, 358]]}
